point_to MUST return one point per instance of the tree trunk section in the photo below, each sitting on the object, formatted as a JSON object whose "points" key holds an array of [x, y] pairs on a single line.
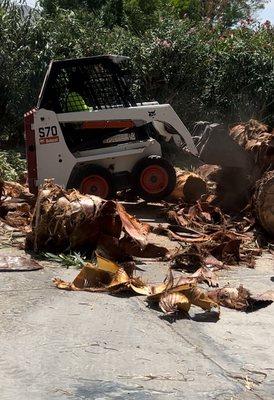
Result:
{"points": [[264, 202], [189, 187]]}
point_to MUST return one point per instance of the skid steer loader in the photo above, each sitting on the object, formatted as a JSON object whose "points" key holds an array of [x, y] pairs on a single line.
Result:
{"points": [[89, 132]]}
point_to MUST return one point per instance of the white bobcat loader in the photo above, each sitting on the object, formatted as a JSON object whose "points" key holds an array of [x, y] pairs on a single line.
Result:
{"points": [[106, 141]]}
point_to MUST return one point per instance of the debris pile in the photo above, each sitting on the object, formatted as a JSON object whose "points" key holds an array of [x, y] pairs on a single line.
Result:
{"points": [[173, 295], [16, 204], [208, 236], [205, 217], [67, 220]]}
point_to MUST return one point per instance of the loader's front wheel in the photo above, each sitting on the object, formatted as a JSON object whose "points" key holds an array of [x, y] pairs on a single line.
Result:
{"points": [[95, 180], [154, 178]]}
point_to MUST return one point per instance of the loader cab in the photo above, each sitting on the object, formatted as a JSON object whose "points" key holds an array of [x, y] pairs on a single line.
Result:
{"points": [[101, 83]]}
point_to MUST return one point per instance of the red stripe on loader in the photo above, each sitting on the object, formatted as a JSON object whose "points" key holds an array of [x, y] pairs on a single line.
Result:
{"points": [[31, 151], [108, 124]]}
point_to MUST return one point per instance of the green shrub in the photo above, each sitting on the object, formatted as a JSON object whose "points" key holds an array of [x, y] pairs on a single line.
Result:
{"points": [[12, 165], [203, 71]]}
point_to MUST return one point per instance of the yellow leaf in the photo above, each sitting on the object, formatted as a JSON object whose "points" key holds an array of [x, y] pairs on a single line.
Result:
{"points": [[106, 265], [120, 278], [91, 277], [148, 290]]}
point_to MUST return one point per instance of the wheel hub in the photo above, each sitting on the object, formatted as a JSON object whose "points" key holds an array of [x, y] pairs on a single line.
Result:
{"points": [[154, 179], [96, 185]]}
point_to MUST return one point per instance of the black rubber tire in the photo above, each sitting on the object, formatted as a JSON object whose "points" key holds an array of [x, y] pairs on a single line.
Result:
{"points": [[92, 169], [146, 162]]}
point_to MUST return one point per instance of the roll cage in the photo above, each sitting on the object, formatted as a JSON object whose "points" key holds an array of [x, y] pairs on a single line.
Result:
{"points": [[101, 81]]}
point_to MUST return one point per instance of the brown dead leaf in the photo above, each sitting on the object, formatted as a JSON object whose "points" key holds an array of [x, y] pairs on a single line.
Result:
{"points": [[205, 275], [149, 289], [236, 298], [214, 264], [9, 263], [186, 286], [90, 278], [109, 277], [228, 251], [173, 302], [199, 297], [225, 246], [169, 289], [241, 299], [129, 267], [190, 259], [179, 237], [93, 279], [120, 281], [150, 250], [202, 275], [110, 248], [123, 249], [154, 290], [136, 230]]}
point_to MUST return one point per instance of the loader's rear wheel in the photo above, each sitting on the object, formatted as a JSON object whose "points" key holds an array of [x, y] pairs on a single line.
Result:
{"points": [[154, 178], [95, 180]]}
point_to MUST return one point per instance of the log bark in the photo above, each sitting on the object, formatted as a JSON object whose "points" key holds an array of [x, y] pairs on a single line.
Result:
{"points": [[189, 187], [264, 202], [258, 140]]}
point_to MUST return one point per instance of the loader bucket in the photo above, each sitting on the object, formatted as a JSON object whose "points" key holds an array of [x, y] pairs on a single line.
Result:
{"points": [[216, 146]]}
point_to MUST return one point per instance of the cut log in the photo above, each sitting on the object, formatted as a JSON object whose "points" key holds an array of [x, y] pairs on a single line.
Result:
{"points": [[206, 171], [233, 188], [264, 202], [256, 139], [189, 187]]}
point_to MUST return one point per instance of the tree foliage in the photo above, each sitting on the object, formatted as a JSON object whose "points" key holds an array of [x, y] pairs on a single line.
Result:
{"points": [[142, 14], [205, 71], [137, 15], [228, 12]]}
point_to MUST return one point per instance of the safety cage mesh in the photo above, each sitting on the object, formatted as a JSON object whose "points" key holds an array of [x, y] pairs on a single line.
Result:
{"points": [[86, 84]]}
